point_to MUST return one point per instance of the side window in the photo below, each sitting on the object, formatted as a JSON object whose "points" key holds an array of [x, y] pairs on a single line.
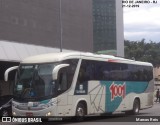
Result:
{"points": [[62, 80], [66, 74], [70, 70], [149, 73], [86, 71], [133, 72], [98, 70], [110, 71], [82, 77], [140, 73]]}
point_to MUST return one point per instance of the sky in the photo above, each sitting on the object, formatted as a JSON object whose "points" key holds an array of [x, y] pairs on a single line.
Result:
{"points": [[142, 22]]}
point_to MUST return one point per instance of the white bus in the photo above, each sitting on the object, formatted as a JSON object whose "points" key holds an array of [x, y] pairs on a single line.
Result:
{"points": [[80, 84]]}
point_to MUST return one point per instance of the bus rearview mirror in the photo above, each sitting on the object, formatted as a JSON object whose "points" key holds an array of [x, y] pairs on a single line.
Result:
{"points": [[9, 70], [56, 70]]}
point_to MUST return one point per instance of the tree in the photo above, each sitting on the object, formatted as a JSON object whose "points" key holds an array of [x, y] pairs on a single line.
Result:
{"points": [[142, 51]]}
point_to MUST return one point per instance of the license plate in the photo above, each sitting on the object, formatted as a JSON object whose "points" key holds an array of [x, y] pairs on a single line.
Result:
{"points": [[29, 114]]}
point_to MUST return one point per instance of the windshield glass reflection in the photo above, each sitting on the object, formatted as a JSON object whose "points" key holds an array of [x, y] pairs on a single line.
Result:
{"points": [[34, 81]]}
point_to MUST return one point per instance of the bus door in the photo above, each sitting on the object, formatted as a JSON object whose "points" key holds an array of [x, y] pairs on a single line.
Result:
{"points": [[62, 87]]}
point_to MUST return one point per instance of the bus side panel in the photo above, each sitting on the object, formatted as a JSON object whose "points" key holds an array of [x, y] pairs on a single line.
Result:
{"points": [[77, 99], [120, 94], [144, 98], [97, 96], [150, 90], [115, 92], [111, 96], [62, 104], [93, 92]]}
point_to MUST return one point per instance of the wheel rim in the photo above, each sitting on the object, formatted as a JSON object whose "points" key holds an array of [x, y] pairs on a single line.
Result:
{"points": [[80, 111], [136, 108]]}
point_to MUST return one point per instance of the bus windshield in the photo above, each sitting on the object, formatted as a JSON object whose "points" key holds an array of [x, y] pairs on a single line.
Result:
{"points": [[34, 82]]}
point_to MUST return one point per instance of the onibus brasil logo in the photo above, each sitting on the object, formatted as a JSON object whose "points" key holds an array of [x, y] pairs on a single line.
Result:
{"points": [[117, 90]]}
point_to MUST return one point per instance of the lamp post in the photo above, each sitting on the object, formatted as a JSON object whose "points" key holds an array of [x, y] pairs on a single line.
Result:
{"points": [[61, 28]]}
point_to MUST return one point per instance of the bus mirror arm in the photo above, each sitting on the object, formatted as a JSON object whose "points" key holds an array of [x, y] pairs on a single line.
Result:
{"points": [[56, 70], [9, 70]]}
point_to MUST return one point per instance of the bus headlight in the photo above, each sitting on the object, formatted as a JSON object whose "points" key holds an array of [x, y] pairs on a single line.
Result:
{"points": [[48, 114]]}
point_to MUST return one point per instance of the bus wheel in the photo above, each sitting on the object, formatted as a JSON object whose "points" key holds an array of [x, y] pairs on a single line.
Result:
{"points": [[136, 107], [80, 112]]}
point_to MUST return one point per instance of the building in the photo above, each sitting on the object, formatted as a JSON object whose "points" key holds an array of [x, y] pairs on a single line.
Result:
{"points": [[157, 77], [31, 27], [108, 27]]}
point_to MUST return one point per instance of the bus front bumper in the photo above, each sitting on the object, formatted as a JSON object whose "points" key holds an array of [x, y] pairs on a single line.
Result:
{"points": [[50, 111]]}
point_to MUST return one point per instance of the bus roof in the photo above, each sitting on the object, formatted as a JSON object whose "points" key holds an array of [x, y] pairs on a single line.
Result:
{"points": [[60, 56]]}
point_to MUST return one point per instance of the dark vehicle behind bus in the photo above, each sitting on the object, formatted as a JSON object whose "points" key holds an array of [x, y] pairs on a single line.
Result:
{"points": [[6, 105]]}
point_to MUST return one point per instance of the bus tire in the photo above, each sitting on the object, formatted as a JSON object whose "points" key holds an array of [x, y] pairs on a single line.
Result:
{"points": [[80, 112], [136, 108]]}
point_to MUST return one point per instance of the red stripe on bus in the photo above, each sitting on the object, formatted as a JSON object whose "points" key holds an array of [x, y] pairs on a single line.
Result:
{"points": [[111, 60]]}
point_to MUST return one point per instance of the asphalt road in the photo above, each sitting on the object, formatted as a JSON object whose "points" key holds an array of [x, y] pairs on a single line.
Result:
{"points": [[117, 119]]}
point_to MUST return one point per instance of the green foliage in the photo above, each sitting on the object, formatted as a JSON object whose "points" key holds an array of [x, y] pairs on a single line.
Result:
{"points": [[142, 51]]}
